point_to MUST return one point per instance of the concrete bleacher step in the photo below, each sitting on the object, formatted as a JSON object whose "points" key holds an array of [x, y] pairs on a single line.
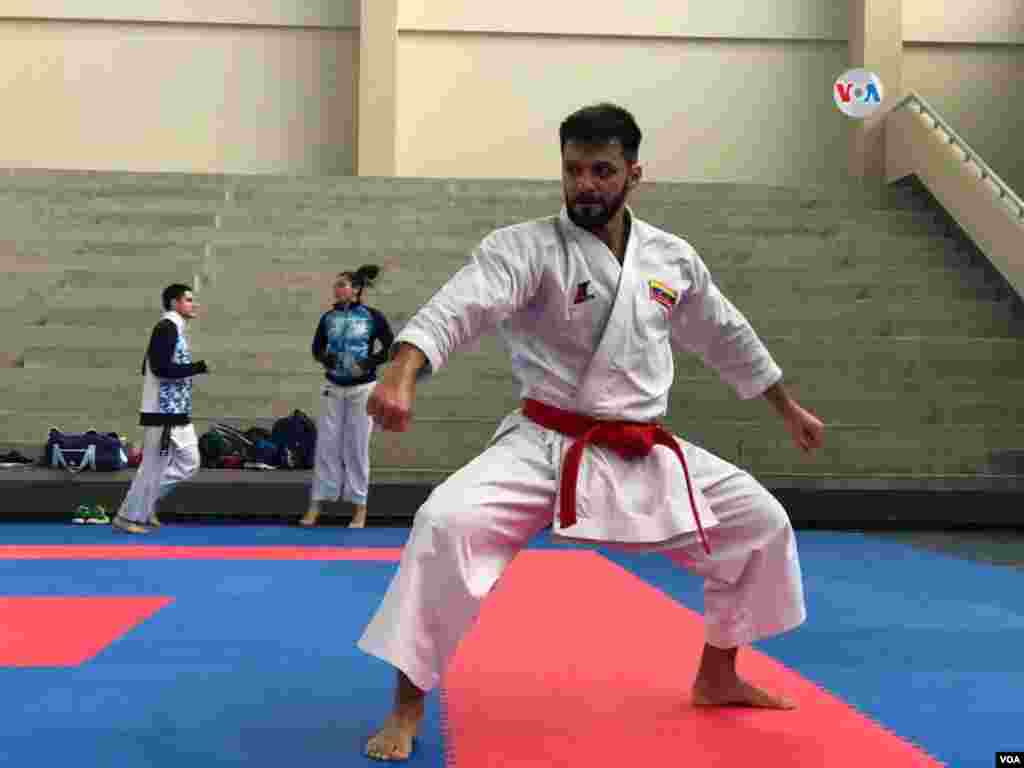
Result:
{"points": [[443, 445], [906, 404], [226, 285], [815, 317], [180, 212], [443, 252], [843, 275], [297, 359], [853, 283], [384, 233], [433, 199], [299, 296], [838, 252], [174, 215], [250, 375], [124, 288], [882, 317], [867, 361], [123, 385], [270, 188]]}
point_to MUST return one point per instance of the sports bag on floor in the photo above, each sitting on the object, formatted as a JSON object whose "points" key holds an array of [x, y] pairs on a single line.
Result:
{"points": [[98, 451], [295, 438]]}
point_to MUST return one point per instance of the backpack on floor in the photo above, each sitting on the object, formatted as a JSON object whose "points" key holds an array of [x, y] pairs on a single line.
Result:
{"points": [[263, 450], [295, 438], [215, 450]]}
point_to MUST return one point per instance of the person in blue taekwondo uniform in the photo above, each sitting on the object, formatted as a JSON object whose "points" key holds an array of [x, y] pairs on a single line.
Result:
{"points": [[344, 345], [170, 449]]}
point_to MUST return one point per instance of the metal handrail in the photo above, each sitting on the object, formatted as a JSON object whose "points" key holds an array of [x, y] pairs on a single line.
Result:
{"points": [[1003, 190]]}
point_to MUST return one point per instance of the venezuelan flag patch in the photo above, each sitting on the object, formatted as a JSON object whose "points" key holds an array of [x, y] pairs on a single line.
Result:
{"points": [[662, 294]]}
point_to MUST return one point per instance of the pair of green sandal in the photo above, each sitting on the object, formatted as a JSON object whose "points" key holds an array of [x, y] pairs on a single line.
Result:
{"points": [[91, 515]]}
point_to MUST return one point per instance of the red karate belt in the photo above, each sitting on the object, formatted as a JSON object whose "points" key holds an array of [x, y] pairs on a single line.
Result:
{"points": [[630, 439]]}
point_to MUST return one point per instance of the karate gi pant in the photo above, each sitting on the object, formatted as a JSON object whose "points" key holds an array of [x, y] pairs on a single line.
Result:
{"points": [[158, 475], [342, 464], [473, 525]]}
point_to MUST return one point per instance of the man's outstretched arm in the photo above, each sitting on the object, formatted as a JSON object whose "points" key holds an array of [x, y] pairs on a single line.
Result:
{"points": [[709, 325]]}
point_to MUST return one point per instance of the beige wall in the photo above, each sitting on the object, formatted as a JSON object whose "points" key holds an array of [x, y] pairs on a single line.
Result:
{"points": [[723, 91], [956, 21], [274, 13], [971, 87], [475, 105], [786, 19], [246, 90], [967, 61]]}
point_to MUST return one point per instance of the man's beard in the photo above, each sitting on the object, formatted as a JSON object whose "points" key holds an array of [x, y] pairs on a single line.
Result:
{"points": [[592, 213]]}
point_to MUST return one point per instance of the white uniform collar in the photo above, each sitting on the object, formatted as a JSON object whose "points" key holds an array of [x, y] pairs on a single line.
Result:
{"points": [[175, 318]]}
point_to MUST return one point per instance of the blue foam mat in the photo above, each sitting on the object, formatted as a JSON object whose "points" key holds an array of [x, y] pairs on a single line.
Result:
{"points": [[255, 661]]}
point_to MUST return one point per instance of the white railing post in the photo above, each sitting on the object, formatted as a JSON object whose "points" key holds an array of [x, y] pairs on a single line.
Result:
{"points": [[999, 188]]}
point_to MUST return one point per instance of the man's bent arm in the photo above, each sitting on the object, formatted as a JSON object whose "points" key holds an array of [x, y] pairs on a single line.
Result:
{"points": [[408, 359], [501, 277], [777, 395]]}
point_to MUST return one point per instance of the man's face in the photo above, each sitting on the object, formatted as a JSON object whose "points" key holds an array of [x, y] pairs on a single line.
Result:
{"points": [[594, 180], [343, 290], [186, 305]]}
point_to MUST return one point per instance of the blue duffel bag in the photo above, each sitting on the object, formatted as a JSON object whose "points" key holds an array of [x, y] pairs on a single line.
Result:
{"points": [[98, 451]]}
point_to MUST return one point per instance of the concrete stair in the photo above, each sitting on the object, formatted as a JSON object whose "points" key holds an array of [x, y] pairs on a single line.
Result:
{"points": [[912, 356]]}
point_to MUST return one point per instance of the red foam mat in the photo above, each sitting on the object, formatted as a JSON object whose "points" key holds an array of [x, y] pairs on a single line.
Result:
{"points": [[577, 662], [66, 631], [159, 551]]}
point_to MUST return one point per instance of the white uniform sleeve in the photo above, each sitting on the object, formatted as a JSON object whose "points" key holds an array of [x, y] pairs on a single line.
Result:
{"points": [[707, 324], [500, 278]]}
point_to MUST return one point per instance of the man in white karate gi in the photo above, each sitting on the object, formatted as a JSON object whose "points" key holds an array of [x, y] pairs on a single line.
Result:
{"points": [[591, 304]]}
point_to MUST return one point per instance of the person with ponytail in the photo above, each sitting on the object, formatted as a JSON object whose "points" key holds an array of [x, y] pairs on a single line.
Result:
{"points": [[344, 345]]}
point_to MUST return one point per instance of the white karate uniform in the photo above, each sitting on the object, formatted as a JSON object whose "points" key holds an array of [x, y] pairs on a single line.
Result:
{"points": [[342, 464], [593, 337]]}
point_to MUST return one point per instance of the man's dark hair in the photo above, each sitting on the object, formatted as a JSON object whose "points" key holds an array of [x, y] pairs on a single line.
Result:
{"points": [[174, 292], [601, 124]]}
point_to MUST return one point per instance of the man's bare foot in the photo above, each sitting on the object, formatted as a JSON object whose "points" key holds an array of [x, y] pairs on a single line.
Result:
{"points": [[737, 694], [394, 740], [312, 515], [358, 517], [718, 685]]}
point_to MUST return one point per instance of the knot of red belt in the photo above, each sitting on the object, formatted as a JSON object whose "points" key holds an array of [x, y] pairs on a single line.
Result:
{"points": [[631, 440]]}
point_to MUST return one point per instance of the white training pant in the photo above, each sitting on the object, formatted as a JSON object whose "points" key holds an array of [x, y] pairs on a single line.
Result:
{"points": [[158, 475], [342, 467], [473, 525]]}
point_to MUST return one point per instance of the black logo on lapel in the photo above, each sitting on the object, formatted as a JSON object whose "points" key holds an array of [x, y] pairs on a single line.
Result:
{"points": [[583, 293]]}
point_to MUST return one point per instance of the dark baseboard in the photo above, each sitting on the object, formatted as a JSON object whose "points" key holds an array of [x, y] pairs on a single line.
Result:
{"points": [[281, 498]]}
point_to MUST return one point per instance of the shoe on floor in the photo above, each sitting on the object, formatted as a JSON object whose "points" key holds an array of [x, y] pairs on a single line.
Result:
{"points": [[127, 525], [98, 516]]}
